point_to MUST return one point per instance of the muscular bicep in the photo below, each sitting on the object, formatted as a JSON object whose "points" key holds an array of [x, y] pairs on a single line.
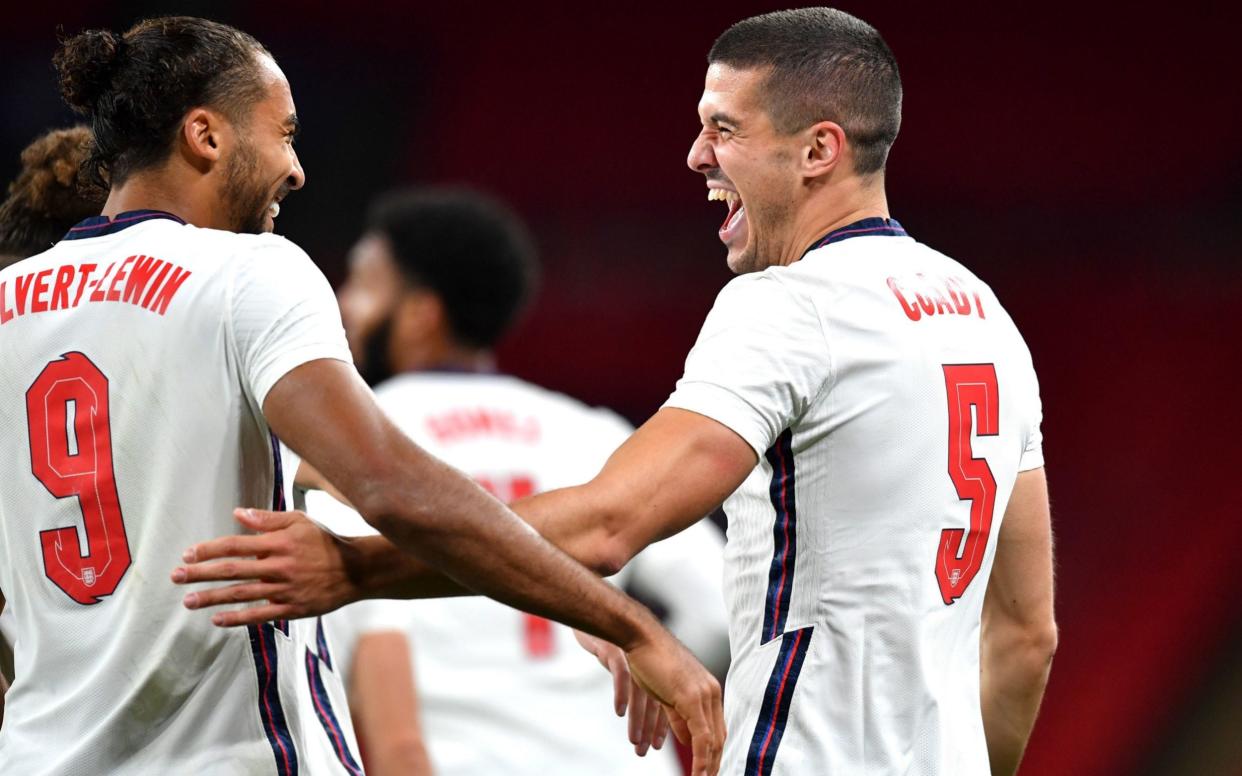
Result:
{"points": [[676, 468], [328, 416], [1020, 589]]}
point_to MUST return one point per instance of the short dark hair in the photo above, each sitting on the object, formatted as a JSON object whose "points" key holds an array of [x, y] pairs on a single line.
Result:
{"points": [[469, 249], [137, 87], [47, 197], [825, 66]]}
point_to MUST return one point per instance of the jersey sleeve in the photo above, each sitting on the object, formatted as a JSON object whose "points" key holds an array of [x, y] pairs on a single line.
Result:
{"points": [[760, 360], [282, 313]]}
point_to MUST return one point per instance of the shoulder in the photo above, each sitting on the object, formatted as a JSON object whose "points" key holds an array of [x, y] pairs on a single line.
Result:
{"points": [[270, 262], [572, 410], [759, 303], [429, 389], [269, 247]]}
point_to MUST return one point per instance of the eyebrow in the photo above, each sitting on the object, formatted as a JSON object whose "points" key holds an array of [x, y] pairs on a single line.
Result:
{"points": [[295, 126], [723, 118]]}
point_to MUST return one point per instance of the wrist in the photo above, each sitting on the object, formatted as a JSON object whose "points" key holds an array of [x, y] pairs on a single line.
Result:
{"points": [[642, 629], [359, 571]]}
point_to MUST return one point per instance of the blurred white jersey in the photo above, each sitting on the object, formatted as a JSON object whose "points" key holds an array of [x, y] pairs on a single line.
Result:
{"points": [[502, 691], [134, 359], [892, 403]]}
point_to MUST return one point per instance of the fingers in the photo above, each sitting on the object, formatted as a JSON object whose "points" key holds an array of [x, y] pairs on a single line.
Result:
{"points": [[705, 754], [253, 616], [722, 732], [660, 734], [704, 723], [243, 546], [262, 520], [678, 724], [228, 571], [638, 716], [655, 714], [228, 547], [621, 683], [242, 593]]}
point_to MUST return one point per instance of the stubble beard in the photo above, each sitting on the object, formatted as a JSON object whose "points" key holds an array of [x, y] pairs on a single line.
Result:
{"points": [[755, 256], [244, 193]]}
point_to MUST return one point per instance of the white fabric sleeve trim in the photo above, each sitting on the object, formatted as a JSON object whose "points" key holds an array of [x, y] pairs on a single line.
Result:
{"points": [[267, 375]]}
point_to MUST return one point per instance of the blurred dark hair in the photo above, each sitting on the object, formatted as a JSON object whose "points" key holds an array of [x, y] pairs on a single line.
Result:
{"points": [[136, 87], [472, 251], [825, 66], [48, 197]]}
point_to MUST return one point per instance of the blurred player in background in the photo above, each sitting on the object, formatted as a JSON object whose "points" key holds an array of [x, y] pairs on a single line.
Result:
{"points": [[437, 279], [872, 416], [48, 196], [150, 357]]}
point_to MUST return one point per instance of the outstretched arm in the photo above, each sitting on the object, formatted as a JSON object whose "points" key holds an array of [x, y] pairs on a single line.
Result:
{"points": [[1018, 632], [325, 413], [673, 470]]}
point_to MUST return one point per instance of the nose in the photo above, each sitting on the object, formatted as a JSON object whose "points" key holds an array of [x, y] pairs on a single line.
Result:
{"points": [[701, 157], [297, 176]]}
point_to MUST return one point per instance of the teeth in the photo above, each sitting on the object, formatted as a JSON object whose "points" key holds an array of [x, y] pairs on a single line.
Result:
{"points": [[273, 209], [721, 195]]}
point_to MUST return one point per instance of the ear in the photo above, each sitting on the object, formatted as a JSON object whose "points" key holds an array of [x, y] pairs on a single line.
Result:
{"points": [[419, 315], [824, 148], [205, 133]]}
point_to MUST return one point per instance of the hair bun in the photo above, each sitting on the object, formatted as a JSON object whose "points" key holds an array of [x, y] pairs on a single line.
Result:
{"points": [[86, 63]]}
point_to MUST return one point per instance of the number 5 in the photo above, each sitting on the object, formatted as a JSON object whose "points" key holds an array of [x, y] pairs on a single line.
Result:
{"points": [[78, 462], [968, 385]]}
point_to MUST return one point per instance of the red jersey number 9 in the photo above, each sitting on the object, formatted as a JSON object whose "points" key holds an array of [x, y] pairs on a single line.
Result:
{"points": [[968, 385], [71, 454]]}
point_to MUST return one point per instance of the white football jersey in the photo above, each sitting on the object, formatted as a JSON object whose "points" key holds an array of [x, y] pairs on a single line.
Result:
{"points": [[135, 356], [892, 403], [502, 691]]}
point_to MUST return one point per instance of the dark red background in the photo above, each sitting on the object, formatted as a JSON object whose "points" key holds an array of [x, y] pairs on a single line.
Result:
{"points": [[1083, 160]]}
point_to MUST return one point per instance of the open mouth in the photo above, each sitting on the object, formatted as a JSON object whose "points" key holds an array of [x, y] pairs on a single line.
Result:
{"points": [[273, 209], [734, 225]]}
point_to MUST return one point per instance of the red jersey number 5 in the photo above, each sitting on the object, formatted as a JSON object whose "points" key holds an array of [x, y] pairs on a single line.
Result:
{"points": [[71, 454], [968, 385]]}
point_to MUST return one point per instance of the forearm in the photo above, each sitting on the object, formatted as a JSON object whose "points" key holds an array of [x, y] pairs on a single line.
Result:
{"points": [[377, 568], [478, 543], [1014, 668], [405, 756]]}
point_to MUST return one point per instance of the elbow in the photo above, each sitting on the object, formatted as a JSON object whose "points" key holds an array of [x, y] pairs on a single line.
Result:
{"points": [[386, 509], [1027, 646], [1037, 646], [608, 557], [613, 545], [1045, 643], [595, 535]]}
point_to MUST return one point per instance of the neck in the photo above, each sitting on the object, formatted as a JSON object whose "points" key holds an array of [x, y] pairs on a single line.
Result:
{"points": [[832, 206], [449, 357], [189, 198]]}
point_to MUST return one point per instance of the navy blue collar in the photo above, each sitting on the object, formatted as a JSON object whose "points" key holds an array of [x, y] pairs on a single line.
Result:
{"points": [[98, 226], [867, 227], [455, 369]]}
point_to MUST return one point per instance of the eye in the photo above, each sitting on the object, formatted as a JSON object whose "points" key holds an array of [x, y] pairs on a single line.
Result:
{"points": [[724, 131]]}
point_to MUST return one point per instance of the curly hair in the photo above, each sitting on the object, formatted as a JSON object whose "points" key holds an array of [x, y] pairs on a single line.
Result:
{"points": [[135, 88], [469, 249], [48, 196]]}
